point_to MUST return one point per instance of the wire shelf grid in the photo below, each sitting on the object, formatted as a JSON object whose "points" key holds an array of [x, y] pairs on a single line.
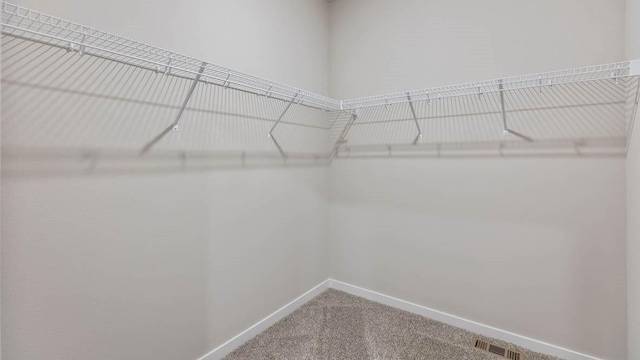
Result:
{"points": [[28, 24], [560, 104], [614, 71]]}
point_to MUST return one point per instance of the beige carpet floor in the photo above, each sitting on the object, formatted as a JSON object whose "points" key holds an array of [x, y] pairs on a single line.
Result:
{"points": [[336, 325]]}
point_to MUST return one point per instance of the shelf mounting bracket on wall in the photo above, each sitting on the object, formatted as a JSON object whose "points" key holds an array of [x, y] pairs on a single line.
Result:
{"points": [[415, 118], [505, 129], [283, 113], [175, 126]]}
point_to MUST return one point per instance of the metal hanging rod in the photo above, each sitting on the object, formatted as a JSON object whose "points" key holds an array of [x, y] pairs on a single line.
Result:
{"points": [[35, 26]]}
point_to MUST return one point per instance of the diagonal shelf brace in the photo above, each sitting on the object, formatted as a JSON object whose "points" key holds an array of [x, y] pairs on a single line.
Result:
{"points": [[415, 118], [280, 150], [283, 113], [175, 126], [505, 128], [176, 123], [341, 139]]}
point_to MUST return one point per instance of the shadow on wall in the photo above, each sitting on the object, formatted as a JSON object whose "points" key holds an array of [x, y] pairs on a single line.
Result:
{"points": [[67, 114], [581, 118]]}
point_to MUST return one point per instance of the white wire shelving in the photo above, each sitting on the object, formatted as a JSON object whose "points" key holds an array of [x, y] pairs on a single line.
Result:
{"points": [[539, 81], [35, 26], [589, 107], [87, 74]]}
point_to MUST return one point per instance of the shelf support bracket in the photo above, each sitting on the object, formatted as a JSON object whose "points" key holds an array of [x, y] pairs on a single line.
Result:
{"points": [[268, 90], [505, 128], [280, 150], [342, 138], [282, 115], [176, 123], [167, 68], [415, 118], [81, 50], [175, 126]]}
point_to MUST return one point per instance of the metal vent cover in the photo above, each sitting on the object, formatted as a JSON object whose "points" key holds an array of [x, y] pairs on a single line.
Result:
{"points": [[512, 355], [497, 350], [482, 345]]}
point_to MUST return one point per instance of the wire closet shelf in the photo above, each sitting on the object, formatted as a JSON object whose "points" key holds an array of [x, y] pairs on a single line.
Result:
{"points": [[584, 105], [576, 108], [613, 71], [35, 26]]}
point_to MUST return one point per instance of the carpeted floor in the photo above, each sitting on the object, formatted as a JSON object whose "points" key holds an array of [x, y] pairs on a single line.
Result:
{"points": [[336, 325]]}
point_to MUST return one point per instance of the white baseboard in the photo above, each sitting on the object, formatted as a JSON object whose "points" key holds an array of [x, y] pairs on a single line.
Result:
{"points": [[226, 348], [478, 328]]}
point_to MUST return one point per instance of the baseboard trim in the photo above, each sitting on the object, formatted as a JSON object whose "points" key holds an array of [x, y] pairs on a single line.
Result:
{"points": [[226, 348], [476, 327]]}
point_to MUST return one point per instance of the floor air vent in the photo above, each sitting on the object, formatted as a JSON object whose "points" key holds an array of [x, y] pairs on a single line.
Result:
{"points": [[497, 350], [483, 345]]}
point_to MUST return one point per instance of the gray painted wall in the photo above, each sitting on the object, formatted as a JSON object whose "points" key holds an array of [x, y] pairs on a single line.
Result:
{"points": [[160, 266], [534, 246], [168, 265]]}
